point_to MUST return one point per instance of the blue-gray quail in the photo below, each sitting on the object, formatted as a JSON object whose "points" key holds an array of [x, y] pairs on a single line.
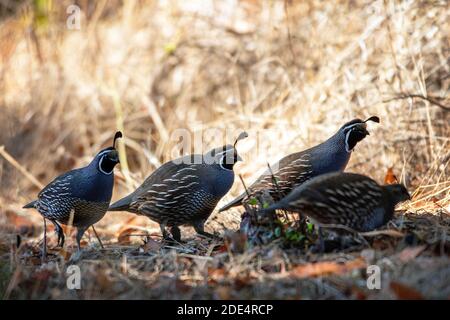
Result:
{"points": [[346, 199], [294, 169], [184, 191], [83, 193]]}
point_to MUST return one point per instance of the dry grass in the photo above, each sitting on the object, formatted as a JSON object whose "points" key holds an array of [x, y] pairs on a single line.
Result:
{"points": [[288, 73]]}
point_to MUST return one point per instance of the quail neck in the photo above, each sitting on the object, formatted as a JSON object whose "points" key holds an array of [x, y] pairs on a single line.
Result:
{"points": [[220, 173], [223, 180], [334, 154], [331, 155]]}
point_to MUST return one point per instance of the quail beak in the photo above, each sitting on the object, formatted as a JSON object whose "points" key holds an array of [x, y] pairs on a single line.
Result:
{"points": [[114, 156], [363, 129], [407, 196]]}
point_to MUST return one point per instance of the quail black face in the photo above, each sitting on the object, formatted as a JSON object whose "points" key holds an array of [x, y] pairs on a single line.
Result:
{"points": [[355, 131], [226, 156], [109, 157], [229, 158], [398, 192]]}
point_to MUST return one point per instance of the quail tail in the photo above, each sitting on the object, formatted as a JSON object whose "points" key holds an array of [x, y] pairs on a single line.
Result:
{"points": [[32, 204], [121, 205], [234, 203]]}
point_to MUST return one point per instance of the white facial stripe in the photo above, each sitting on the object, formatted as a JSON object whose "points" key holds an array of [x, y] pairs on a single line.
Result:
{"points": [[353, 125], [223, 153], [103, 154], [221, 164], [347, 135]]}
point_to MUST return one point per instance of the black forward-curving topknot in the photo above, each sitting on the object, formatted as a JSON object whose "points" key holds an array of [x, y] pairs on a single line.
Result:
{"points": [[373, 118], [241, 136], [116, 136]]}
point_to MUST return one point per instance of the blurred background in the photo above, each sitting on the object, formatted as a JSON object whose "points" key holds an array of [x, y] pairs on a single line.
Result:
{"points": [[288, 72]]}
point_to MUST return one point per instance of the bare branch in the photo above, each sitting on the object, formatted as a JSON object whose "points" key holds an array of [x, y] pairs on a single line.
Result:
{"points": [[430, 99]]}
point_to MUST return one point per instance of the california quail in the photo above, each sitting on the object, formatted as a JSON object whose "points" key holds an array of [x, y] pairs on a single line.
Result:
{"points": [[184, 191], [83, 193], [294, 169], [347, 199]]}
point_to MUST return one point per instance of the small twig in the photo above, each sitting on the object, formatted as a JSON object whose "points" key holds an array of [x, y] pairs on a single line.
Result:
{"points": [[187, 255], [430, 99], [19, 167], [245, 187], [274, 180], [98, 238], [389, 232], [121, 146], [277, 188], [291, 47], [44, 249]]}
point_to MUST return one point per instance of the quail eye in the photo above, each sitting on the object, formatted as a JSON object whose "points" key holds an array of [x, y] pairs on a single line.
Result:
{"points": [[227, 161], [105, 165]]}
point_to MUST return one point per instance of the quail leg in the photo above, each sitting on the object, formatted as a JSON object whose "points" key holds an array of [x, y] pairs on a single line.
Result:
{"points": [[80, 232], [60, 233], [321, 240], [199, 227], [164, 233], [176, 233], [44, 244], [319, 247]]}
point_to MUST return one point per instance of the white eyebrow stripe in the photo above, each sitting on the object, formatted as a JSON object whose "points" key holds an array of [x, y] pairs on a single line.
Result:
{"points": [[353, 125], [104, 152], [223, 152]]}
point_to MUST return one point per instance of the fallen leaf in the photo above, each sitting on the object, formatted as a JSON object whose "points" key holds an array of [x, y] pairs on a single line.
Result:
{"points": [[220, 249], [358, 293], [223, 293], [130, 222], [65, 253], [42, 275], [410, 253], [103, 280], [405, 292], [150, 245], [242, 282], [390, 177], [124, 237], [216, 273], [22, 225], [326, 268], [181, 286], [84, 243], [236, 241]]}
